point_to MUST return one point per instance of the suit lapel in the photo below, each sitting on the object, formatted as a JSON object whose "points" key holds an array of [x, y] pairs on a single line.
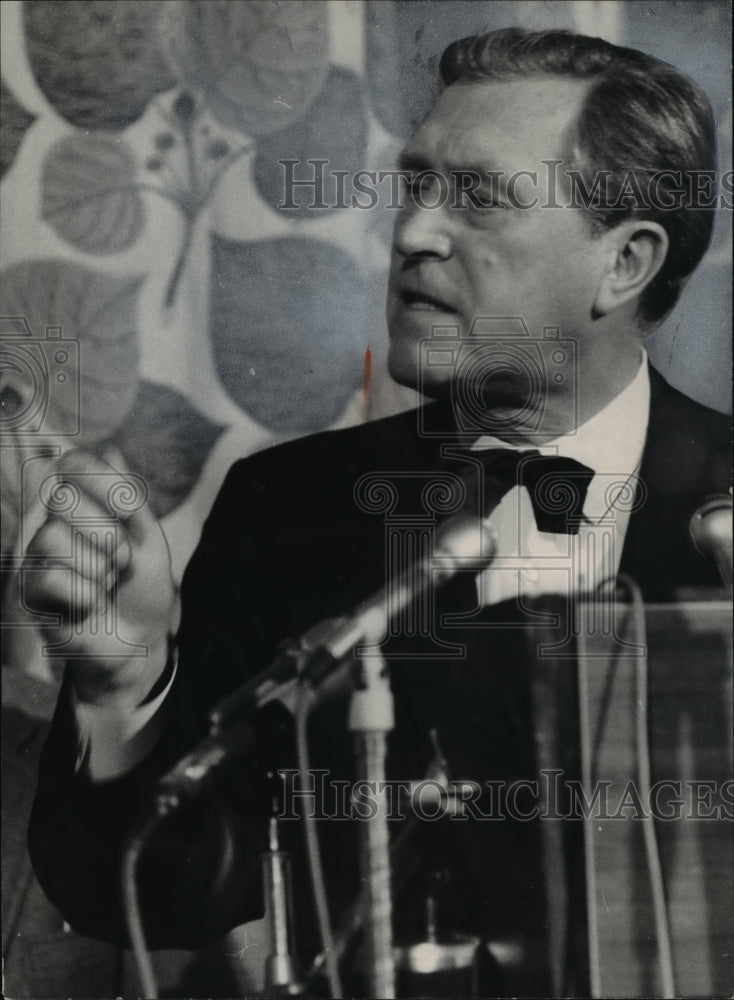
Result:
{"points": [[683, 462]]}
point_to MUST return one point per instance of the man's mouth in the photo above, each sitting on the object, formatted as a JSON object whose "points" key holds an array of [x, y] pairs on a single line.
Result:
{"points": [[424, 302]]}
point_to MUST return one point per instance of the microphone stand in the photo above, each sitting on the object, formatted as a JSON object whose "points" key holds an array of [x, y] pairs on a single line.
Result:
{"points": [[371, 717], [281, 966]]}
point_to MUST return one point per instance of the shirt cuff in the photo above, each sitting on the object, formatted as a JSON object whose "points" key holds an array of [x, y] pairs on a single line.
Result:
{"points": [[112, 741]]}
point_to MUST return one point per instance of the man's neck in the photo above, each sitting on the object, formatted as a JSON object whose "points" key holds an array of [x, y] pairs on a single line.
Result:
{"points": [[562, 413], [605, 367]]}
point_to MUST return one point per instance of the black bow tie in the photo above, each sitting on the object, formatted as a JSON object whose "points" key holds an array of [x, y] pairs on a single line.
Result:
{"points": [[557, 486]]}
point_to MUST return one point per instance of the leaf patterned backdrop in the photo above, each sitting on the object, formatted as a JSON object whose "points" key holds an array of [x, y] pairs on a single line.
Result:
{"points": [[143, 217], [141, 195]]}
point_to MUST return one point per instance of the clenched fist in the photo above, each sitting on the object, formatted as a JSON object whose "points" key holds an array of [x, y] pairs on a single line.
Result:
{"points": [[100, 564]]}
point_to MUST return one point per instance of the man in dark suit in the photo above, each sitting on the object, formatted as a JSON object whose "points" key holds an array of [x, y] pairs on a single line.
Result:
{"points": [[519, 300]]}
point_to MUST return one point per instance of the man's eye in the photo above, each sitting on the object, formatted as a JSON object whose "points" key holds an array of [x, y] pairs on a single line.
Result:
{"points": [[418, 186], [479, 200], [474, 192]]}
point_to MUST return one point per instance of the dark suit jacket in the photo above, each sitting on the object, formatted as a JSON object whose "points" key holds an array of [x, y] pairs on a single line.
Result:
{"points": [[285, 547], [42, 956]]}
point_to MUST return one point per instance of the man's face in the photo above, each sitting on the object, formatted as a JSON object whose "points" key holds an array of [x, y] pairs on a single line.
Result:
{"points": [[451, 265]]}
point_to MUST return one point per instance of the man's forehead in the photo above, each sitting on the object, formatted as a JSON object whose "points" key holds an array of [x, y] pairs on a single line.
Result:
{"points": [[490, 122]]}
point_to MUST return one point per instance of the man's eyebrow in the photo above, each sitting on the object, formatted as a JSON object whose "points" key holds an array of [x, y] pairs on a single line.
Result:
{"points": [[486, 171]]}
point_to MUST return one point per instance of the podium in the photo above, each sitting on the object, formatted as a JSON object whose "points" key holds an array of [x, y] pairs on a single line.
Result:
{"points": [[687, 658]]}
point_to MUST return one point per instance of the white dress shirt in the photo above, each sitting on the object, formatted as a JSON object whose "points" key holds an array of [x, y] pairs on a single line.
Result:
{"points": [[528, 562]]}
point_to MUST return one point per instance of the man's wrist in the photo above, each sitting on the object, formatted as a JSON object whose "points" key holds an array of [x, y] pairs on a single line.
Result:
{"points": [[114, 737], [164, 677], [129, 684]]}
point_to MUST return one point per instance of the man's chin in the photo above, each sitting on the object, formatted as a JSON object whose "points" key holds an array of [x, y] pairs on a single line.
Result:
{"points": [[403, 367], [402, 364]]}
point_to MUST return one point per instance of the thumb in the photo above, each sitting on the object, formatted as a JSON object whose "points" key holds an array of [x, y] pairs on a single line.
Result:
{"points": [[142, 519]]}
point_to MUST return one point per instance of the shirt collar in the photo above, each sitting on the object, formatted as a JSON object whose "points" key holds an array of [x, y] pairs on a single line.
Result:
{"points": [[613, 439]]}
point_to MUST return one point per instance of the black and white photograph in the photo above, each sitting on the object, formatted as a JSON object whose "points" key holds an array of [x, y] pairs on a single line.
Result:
{"points": [[366, 553]]}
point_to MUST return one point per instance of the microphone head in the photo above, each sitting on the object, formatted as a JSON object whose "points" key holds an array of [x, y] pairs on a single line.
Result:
{"points": [[464, 541], [711, 532]]}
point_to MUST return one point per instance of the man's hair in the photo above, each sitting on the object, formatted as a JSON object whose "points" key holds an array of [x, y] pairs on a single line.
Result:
{"points": [[640, 117]]}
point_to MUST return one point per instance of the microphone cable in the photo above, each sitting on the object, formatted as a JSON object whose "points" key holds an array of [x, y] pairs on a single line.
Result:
{"points": [[589, 760], [652, 851], [137, 841], [306, 699], [585, 747], [131, 908]]}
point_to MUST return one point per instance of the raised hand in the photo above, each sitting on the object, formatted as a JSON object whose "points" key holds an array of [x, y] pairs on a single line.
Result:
{"points": [[100, 565]]}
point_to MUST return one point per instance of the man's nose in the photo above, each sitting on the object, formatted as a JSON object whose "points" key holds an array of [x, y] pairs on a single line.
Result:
{"points": [[423, 227]]}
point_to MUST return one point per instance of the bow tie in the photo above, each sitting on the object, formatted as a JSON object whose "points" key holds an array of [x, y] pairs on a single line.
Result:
{"points": [[557, 486]]}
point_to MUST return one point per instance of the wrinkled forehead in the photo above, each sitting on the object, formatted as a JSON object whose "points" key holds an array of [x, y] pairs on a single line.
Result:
{"points": [[510, 124]]}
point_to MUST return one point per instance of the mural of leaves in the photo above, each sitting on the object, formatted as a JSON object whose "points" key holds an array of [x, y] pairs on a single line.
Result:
{"points": [[14, 122], [89, 195], [333, 129], [259, 64], [96, 357], [166, 440], [97, 61], [288, 349]]}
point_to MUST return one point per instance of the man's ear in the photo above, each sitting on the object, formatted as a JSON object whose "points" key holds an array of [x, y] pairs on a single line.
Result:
{"points": [[636, 252]]}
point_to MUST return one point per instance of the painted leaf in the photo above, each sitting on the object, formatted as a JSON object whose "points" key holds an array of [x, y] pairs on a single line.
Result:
{"points": [[404, 44], [401, 75], [259, 65], [89, 195], [70, 350], [97, 61], [14, 122], [288, 348], [166, 441], [333, 129]]}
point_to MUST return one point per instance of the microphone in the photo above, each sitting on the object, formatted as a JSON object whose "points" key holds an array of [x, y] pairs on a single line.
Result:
{"points": [[186, 777], [711, 531], [462, 542], [276, 681]]}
